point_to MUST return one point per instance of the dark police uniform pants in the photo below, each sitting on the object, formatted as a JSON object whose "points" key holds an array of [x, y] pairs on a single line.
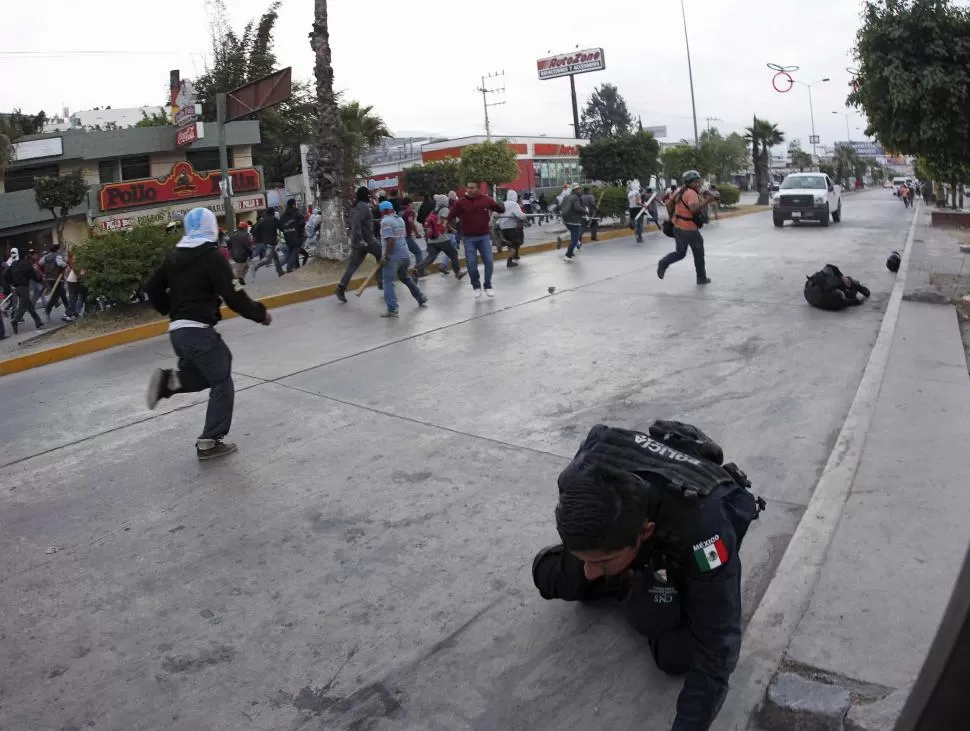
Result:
{"points": [[559, 575]]}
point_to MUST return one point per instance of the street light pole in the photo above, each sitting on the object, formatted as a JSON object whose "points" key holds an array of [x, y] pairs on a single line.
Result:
{"points": [[690, 73], [811, 110]]}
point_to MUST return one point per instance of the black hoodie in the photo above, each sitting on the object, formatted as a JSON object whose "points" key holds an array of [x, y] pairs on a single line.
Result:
{"points": [[191, 284]]}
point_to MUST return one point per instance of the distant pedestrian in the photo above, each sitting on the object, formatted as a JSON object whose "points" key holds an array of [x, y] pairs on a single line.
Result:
{"points": [[650, 208], [189, 286], [684, 210], [572, 211], [635, 209], [22, 273], [313, 222], [396, 261], [511, 224], [439, 240], [55, 268], [240, 251], [266, 235], [408, 214], [474, 213], [362, 242], [592, 221], [293, 226]]}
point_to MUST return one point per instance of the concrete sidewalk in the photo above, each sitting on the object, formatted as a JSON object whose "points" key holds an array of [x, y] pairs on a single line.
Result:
{"points": [[892, 563]]}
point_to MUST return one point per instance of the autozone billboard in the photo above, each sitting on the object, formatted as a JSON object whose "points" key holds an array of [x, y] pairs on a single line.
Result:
{"points": [[577, 62]]}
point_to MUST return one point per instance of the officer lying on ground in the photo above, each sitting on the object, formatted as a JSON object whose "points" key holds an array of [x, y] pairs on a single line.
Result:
{"points": [[830, 289], [654, 521]]}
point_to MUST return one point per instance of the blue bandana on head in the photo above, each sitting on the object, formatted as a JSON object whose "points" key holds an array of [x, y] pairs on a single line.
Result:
{"points": [[201, 227]]}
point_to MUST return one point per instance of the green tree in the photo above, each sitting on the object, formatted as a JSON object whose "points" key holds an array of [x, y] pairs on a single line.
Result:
{"points": [[156, 119], [799, 158], [489, 162], [605, 114], [118, 263], [678, 159], [13, 125], [720, 156], [617, 160], [913, 84], [59, 195], [438, 176]]}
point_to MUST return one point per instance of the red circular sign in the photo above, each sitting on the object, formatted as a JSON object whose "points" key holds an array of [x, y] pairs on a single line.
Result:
{"points": [[787, 81]]}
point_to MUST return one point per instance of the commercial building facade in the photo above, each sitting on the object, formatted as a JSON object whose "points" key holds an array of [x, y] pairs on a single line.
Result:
{"points": [[132, 174], [544, 162]]}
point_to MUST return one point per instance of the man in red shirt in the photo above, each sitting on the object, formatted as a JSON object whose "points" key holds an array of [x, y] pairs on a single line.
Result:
{"points": [[474, 212]]}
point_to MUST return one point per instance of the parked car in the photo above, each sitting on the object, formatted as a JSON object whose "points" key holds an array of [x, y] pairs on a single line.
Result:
{"points": [[807, 197]]}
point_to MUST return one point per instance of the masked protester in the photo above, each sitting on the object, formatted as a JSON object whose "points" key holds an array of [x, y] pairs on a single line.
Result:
{"points": [[362, 242], [654, 523], [512, 225], [189, 287], [439, 240]]}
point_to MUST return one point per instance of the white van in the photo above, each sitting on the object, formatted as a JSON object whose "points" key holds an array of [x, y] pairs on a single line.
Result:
{"points": [[897, 182]]}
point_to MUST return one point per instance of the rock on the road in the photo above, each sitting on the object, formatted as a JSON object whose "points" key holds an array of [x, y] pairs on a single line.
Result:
{"points": [[797, 704]]}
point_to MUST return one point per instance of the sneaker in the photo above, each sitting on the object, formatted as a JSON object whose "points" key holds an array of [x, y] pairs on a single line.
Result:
{"points": [[460, 275], [568, 259], [158, 386], [661, 270], [705, 280], [489, 292], [213, 448], [639, 239], [390, 313], [340, 294], [511, 263], [478, 294], [67, 318], [423, 302]]}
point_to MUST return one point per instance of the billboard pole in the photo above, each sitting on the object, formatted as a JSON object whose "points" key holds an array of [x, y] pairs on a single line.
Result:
{"points": [[572, 89], [224, 162]]}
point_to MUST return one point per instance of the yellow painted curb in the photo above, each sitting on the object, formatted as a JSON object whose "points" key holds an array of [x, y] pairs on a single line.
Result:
{"points": [[160, 327]]}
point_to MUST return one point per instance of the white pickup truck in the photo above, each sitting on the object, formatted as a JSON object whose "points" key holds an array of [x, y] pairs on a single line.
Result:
{"points": [[807, 197]]}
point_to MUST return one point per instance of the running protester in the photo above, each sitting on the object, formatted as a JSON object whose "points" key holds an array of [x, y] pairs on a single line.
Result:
{"points": [[189, 286], [439, 240], [511, 223], [396, 260]]}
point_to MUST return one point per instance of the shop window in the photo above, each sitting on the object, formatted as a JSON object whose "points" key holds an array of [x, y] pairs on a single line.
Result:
{"points": [[133, 168], [23, 178], [204, 160], [108, 171]]}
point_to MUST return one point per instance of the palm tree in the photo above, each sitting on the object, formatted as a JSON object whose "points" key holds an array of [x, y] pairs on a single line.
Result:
{"points": [[360, 131], [326, 161], [763, 135]]}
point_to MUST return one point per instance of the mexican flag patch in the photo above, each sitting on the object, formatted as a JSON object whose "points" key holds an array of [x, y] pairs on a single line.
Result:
{"points": [[710, 554]]}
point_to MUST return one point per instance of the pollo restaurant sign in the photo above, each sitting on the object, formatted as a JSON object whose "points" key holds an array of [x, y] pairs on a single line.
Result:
{"points": [[183, 183]]}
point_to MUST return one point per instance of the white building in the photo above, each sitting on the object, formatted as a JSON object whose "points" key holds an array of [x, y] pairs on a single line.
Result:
{"points": [[106, 118]]}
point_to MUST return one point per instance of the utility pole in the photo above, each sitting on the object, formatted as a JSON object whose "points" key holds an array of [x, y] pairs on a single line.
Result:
{"points": [[690, 73], [712, 119], [485, 91]]}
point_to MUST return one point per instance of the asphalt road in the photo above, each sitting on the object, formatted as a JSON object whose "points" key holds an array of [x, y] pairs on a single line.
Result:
{"points": [[363, 561]]}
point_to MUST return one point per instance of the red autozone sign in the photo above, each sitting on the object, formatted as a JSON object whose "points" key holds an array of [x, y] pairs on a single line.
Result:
{"points": [[577, 62]]}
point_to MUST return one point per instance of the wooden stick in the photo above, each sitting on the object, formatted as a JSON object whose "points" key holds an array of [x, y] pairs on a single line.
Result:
{"points": [[368, 281]]}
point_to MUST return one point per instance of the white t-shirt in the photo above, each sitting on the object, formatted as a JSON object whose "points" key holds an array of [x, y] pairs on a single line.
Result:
{"points": [[634, 198]]}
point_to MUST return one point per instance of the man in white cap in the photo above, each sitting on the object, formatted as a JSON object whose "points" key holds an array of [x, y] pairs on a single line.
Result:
{"points": [[189, 287]]}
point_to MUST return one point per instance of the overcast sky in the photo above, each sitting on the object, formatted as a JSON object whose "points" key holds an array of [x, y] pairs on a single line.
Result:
{"points": [[419, 63]]}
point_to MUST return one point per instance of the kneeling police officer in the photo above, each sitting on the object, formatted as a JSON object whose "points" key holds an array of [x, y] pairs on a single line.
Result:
{"points": [[656, 522]]}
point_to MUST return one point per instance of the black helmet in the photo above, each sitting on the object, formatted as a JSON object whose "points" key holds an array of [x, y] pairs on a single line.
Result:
{"points": [[690, 176], [892, 263]]}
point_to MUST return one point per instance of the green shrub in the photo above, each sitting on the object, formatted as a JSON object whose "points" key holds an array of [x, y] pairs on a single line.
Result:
{"points": [[119, 263], [614, 203], [730, 194]]}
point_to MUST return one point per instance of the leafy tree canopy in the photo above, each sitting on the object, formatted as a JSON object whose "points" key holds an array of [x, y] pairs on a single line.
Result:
{"points": [[620, 158], [59, 195], [605, 114], [680, 158], [489, 162], [914, 77], [799, 158], [722, 156], [156, 119], [438, 176]]}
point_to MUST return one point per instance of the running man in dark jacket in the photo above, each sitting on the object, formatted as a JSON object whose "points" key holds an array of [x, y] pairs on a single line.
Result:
{"points": [[189, 287], [362, 241], [266, 236], [22, 273], [293, 226]]}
